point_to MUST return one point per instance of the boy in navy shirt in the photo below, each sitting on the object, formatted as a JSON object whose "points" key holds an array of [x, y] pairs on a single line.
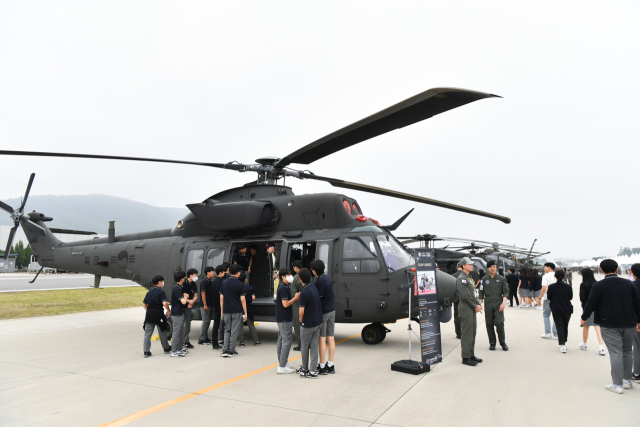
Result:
{"points": [[191, 290], [178, 307], [234, 310], [217, 335], [242, 258], [284, 317], [249, 296], [310, 324], [325, 290], [206, 306], [153, 303]]}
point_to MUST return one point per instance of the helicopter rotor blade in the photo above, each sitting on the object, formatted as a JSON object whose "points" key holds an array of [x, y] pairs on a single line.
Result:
{"points": [[415, 109], [12, 233], [233, 166], [26, 193], [6, 207], [399, 195]]}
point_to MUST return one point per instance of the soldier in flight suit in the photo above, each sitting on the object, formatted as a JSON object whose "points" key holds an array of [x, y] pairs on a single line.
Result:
{"points": [[494, 290], [468, 307], [456, 318]]}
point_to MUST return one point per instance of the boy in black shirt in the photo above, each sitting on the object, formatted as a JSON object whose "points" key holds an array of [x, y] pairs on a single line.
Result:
{"points": [[234, 310], [206, 306], [325, 290], [217, 334], [249, 296], [284, 316], [242, 258], [310, 323], [190, 289], [153, 303], [178, 307]]}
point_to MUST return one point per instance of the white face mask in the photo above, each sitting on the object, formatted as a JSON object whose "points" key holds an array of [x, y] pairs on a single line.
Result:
{"points": [[289, 279]]}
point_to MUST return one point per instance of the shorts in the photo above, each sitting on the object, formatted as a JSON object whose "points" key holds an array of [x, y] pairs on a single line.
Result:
{"points": [[590, 321], [525, 293], [328, 324], [535, 294]]}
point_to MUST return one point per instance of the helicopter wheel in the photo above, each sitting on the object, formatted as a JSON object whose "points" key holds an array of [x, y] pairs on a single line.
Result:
{"points": [[169, 330], [372, 334]]}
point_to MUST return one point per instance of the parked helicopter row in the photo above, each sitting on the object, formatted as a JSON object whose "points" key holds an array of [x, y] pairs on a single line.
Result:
{"points": [[369, 267]]}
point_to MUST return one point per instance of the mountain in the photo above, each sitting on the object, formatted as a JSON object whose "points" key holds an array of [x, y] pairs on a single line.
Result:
{"points": [[94, 211]]}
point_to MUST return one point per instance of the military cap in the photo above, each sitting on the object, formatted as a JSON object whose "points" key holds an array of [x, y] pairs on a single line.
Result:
{"points": [[464, 261], [491, 263]]}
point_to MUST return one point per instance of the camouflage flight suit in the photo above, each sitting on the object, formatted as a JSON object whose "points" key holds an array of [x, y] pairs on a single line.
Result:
{"points": [[492, 291], [467, 313], [456, 318]]}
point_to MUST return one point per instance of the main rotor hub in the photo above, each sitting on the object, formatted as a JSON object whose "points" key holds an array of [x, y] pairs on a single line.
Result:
{"points": [[267, 161]]}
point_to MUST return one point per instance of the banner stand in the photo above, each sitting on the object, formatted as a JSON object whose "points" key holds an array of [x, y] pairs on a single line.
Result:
{"points": [[410, 366]]}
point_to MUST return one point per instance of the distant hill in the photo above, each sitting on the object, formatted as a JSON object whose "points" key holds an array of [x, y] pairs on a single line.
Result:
{"points": [[94, 211]]}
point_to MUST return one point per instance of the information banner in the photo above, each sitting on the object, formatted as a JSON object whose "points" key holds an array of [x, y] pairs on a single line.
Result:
{"points": [[429, 313]]}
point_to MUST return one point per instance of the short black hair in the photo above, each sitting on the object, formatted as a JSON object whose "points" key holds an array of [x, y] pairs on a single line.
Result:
{"points": [[226, 265], [513, 270], [241, 246], [284, 272], [298, 264], [559, 274], [635, 269], [305, 276], [220, 269], [608, 266], [311, 264], [242, 277], [179, 275], [192, 271], [235, 269], [158, 278], [550, 265], [208, 269], [318, 267], [253, 246]]}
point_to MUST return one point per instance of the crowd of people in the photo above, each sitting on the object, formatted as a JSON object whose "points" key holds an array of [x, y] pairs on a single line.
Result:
{"points": [[225, 298], [611, 306]]}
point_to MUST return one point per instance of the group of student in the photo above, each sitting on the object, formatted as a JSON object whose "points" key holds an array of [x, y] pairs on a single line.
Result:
{"points": [[226, 299]]}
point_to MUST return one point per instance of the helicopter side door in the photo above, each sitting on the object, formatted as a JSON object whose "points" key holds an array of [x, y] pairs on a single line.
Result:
{"points": [[362, 272]]}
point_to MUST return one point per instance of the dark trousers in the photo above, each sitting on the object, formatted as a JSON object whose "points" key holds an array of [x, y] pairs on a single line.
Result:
{"points": [[513, 293], [217, 333], [562, 324]]}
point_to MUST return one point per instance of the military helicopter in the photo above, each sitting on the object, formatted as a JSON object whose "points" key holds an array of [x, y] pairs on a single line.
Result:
{"points": [[369, 268]]}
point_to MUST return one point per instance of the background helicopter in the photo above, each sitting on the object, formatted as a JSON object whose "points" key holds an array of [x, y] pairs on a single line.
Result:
{"points": [[369, 268]]}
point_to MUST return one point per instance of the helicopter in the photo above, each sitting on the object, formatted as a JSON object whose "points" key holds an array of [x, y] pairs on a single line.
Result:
{"points": [[370, 269]]}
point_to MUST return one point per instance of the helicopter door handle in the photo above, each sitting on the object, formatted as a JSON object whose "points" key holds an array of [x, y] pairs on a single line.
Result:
{"points": [[384, 278]]}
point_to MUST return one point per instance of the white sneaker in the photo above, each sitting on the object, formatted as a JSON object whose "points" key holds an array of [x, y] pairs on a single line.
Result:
{"points": [[614, 388], [601, 350], [285, 370], [538, 308], [583, 346], [563, 349], [289, 365], [626, 384], [547, 336]]}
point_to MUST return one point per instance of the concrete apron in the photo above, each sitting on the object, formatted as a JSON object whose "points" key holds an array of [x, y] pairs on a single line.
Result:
{"points": [[87, 369]]}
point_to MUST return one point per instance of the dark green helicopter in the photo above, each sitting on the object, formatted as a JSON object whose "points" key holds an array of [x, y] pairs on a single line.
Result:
{"points": [[369, 268]]}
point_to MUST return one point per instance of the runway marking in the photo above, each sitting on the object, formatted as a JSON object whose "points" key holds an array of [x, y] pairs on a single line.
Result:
{"points": [[133, 417]]}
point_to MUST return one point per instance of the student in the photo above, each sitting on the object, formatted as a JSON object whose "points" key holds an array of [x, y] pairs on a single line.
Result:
{"points": [[547, 279], [206, 306], [178, 307], [311, 321], [249, 296], [153, 303], [325, 291], [588, 280], [559, 295], [191, 290], [225, 266], [523, 288], [513, 280], [234, 310], [296, 287], [253, 249], [242, 258], [217, 334], [284, 316]]}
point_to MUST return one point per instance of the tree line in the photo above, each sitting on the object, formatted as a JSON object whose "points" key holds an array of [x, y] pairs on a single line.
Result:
{"points": [[628, 251], [24, 254]]}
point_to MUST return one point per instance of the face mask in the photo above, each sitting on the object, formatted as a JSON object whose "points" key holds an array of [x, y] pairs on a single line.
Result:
{"points": [[289, 279]]}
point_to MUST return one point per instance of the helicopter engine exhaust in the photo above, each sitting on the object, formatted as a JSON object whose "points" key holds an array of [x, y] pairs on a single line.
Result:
{"points": [[251, 215]]}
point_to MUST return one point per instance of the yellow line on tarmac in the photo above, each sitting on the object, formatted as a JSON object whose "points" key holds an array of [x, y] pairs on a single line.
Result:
{"points": [[133, 417]]}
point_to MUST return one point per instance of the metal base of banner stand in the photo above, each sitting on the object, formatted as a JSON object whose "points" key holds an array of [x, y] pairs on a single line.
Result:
{"points": [[410, 367]]}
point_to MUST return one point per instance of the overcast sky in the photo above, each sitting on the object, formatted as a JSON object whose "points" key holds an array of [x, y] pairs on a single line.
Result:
{"points": [[222, 81]]}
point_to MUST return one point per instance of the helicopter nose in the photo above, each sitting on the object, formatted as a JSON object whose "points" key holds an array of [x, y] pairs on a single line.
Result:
{"points": [[446, 288]]}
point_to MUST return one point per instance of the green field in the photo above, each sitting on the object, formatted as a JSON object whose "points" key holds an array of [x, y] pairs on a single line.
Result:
{"points": [[46, 303]]}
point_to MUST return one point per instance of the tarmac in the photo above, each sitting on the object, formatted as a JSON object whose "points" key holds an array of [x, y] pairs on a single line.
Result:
{"points": [[19, 282], [87, 369]]}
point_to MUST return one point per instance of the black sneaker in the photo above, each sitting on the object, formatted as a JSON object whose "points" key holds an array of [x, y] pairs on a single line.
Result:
{"points": [[323, 371], [242, 344], [258, 343], [188, 345], [232, 354], [220, 341], [302, 372], [331, 369], [216, 347], [205, 342], [312, 375], [167, 350], [147, 354], [635, 378], [224, 354], [297, 348], [468, 362]]}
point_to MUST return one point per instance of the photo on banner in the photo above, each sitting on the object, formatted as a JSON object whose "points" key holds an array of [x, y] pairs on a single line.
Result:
{"points": [[429, 312]]}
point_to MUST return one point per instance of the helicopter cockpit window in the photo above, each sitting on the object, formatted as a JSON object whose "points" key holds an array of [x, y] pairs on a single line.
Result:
{"points": [[394, 255], [194, 260], [361, 247], [215, 257]]}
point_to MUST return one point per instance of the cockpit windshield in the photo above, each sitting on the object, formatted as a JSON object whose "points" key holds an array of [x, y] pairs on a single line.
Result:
{"points": [[395, 256]]}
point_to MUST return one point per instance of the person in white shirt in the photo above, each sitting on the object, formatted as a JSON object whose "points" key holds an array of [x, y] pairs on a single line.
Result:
{"points": [[547, 279]]}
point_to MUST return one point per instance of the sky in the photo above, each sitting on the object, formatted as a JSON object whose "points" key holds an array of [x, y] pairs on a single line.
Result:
{"points": [[223, 81]]}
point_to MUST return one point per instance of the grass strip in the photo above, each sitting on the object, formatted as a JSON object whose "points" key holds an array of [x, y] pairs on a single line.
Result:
{"points": [[46, 303]]}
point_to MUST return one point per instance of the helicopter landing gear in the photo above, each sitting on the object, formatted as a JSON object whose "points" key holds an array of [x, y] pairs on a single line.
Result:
{"points": [[374, 333]]}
